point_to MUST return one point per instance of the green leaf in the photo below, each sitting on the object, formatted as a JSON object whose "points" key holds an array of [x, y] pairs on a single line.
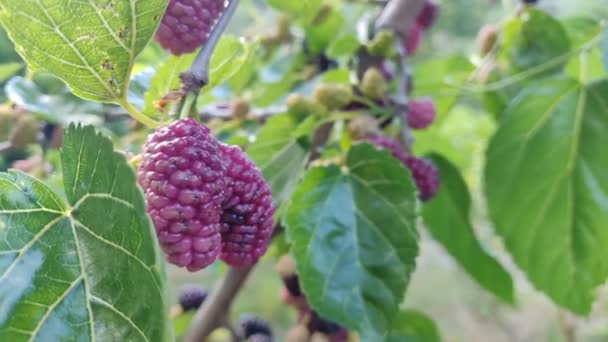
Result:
{"points": [[447, 218], [354, 239], [164, 80], [547, 187], [534, 38], [413, 326], [61, 108], [91, 45], [9, 69], [229, 56], [604, 48], [279, 155], [88, 269]]}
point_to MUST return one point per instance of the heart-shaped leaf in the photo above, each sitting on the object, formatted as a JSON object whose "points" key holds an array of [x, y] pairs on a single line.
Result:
{"points": [[91, 45], [547, 187], [88, 269], [354, 239], [447, 218]]}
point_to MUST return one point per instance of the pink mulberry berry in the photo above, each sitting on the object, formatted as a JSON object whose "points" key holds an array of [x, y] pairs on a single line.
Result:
{"points": [[187, 23], [420, 113], [428, 14], [182, 176], [424, 174], [413, 38], [248, 210]]}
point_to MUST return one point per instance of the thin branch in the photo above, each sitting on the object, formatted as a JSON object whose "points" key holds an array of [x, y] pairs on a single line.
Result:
{"points": [[398, 15], [198, 75], [215, 309]]}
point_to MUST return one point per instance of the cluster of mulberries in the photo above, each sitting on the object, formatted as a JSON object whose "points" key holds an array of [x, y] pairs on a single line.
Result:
{"points": [[423, 172], [424, 20], [186, 24], [310, 325], [205, 199]]}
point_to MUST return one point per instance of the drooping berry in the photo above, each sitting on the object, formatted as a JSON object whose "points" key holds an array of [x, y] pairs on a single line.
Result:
{"points": [[248, 210], [486, 39], [420, 113], [373, 84], [239, 109], [382, 44], [191, 297], [287, 270], [427, 15], [333, 96], [187, 24], [182, 175], [413, 38], [301, 105], [424, 174], [252, 325], [392, 145], [319, 337]]}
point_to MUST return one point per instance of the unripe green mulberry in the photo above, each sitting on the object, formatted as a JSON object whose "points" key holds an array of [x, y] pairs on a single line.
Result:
{"points": [[301, 105], [25, 132], [373, 84], [239, 109], [333, 96], [486, 39], [382, 44], [363, 126]]}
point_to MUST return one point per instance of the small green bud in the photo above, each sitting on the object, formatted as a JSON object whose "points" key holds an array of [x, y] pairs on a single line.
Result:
{"points": [[382, 45], [333, 96], [373, 84]]}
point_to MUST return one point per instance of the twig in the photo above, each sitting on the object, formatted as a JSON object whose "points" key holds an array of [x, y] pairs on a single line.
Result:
{"points": [[198, 75], [214, 311], [398, 15], [5, 146]]}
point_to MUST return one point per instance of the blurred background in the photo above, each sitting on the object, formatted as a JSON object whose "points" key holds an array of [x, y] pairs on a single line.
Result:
{"points": [[462, 310]]}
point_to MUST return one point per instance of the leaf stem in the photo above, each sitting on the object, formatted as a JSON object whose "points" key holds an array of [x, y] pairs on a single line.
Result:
{"points": [[197, 75], [187, 105], [137, 115]]}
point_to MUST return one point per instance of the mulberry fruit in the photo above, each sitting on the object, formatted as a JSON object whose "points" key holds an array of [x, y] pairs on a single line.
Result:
{"points": [[298, 333], [187, 24], [333, 96], [486, 39], [248, 210], [427, 15], [182, 176], [423, 172], [191, 297], [318, 323], [300, 105], [420, 113], [252, 325], [413, 38], [373, 84], [363, 126], [425, 176]]}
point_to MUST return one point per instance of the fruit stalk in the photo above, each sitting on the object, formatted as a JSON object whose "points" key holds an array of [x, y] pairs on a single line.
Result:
{"points": [[198, 75]]}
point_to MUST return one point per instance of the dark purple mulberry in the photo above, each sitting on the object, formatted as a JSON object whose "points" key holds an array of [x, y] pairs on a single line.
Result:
{"points": [[182, 176], [424, 174], [420, 113], [191, 297], [252, 325], [248, 210], [413, 38], [428, 14], [187, 23]]}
